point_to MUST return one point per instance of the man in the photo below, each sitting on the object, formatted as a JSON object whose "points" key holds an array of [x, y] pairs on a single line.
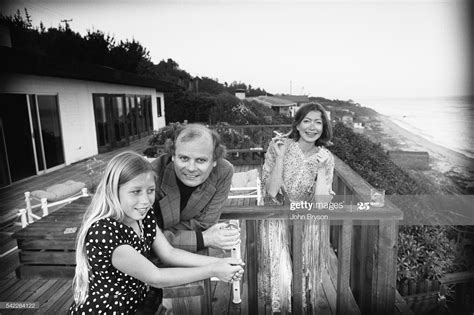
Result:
{"points": [[192, 184]]}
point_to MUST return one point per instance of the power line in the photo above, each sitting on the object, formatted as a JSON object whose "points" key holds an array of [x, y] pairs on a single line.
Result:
{"points": [[66, 24]]}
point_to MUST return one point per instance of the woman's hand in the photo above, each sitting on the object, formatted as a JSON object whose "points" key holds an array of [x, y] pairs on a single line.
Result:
{"points": [[279, 145], [228, 269], [323, 155]]}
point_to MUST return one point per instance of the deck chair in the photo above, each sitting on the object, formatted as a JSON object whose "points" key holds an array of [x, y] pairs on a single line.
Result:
{"points": [[246, 185], [53, 196]]}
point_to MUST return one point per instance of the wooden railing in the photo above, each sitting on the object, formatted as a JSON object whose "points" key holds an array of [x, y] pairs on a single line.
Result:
{"points": [[364, 241]]}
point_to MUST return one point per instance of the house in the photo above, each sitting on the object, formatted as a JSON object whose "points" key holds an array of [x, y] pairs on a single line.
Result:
{"points": [[415, 160], [348, 120], [54, 114], [298, 99], [240, 94], [281, 106], [358, 127]]}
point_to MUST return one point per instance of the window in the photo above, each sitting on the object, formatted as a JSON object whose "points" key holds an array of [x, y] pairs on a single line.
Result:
{"points": [[158, 106]]}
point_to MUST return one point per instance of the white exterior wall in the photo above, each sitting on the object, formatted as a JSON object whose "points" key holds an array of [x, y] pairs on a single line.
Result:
{"points": [[76, 108], [240, 95]]}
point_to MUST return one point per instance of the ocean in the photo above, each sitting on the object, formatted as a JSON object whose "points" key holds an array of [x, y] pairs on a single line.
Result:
{"points": [[446, 121]]}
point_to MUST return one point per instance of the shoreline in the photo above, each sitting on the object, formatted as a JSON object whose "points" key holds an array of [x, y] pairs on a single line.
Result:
{"points": [[450, 171]]}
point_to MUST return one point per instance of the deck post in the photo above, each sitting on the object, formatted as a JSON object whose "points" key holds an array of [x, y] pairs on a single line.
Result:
{"points": [[385, 269], [29, 212], [252, 260], [297, 250], [344, 268], [44, 206]]}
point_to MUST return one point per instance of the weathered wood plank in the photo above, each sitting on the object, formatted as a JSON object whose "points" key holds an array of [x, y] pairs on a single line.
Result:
{"points": [[297, 250], [48, 257], [62, 302], [344, 268], [6, 285], [190, 289], [385, 269], [401, 307], [63, 286], [28, 244], [330, 293], [9, 263], [45, 272], [244, 308], [275, 212], [14, 288], [40, 290], [66, 305], [27, 290], [252, 260], [362, 272], [333, 269], [221, 298]]}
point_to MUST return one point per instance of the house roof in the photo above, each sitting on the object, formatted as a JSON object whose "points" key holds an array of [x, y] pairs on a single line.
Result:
{"points": [[294, 98], [17, 61], [273, 101]]}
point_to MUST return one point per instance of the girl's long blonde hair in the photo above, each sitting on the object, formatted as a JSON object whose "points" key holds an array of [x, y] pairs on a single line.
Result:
{"points": [[105, 204]]}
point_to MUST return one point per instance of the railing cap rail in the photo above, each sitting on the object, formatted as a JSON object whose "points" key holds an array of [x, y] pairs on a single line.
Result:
{"points": [[359, 186], [281, 212]]}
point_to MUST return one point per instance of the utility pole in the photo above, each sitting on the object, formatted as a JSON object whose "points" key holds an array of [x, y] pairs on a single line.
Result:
{"points": [[290, 87], [66, 24]]}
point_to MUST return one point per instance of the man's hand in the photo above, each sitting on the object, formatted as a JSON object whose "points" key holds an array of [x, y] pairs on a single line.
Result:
{"points": [[221, 237]]}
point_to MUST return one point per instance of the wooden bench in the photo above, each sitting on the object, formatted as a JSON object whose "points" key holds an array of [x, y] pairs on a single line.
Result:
{"points": [[47, 247]]}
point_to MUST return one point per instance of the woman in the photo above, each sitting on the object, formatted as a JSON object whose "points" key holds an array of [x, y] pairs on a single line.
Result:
{"points": [[298, 167], [118, 232]]}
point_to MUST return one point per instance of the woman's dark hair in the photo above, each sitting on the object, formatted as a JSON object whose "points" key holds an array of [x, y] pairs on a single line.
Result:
{"points": [[326, 135]]}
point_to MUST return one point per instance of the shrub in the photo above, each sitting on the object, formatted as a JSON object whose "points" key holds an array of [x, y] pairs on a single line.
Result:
{"points": [[424, 252], [231, 138]]}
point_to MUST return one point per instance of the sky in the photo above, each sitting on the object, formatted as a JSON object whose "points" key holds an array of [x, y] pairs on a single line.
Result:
{"points": [[334, 49]]}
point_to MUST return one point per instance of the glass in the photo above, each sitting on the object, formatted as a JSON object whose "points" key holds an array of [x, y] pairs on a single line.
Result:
{"points": [[377, 197], [51, 130]]}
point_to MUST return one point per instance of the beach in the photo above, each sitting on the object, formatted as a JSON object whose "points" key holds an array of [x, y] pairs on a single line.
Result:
{"points": [[450, 172]]}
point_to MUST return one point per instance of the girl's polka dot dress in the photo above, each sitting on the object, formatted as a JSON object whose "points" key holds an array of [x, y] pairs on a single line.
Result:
{"points": [[110, 290]]}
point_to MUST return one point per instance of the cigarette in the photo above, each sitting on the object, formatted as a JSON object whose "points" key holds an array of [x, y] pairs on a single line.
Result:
{"points": [[279, 134]]}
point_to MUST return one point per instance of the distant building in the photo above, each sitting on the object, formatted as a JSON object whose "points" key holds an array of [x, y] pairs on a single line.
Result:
{"points": [[54, 114], [358, 127], [298, 99], [279, 105], [347, 120], [240, 94], [416, 160]]}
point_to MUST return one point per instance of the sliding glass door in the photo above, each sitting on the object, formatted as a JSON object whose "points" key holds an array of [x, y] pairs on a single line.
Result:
{"points": [[30, 136], [111, 121]]}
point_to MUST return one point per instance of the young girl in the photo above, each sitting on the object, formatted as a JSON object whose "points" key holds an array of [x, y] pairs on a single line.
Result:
{"points": [[118, 232]]}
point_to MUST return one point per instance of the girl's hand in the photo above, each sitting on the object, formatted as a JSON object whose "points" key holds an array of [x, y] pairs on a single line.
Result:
{"points": [[233, 261], [228, 269]]}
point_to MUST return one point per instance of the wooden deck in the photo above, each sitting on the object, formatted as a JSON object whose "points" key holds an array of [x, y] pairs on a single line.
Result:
{"points": [[41, 270], [349, 286], [12, 197]]}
